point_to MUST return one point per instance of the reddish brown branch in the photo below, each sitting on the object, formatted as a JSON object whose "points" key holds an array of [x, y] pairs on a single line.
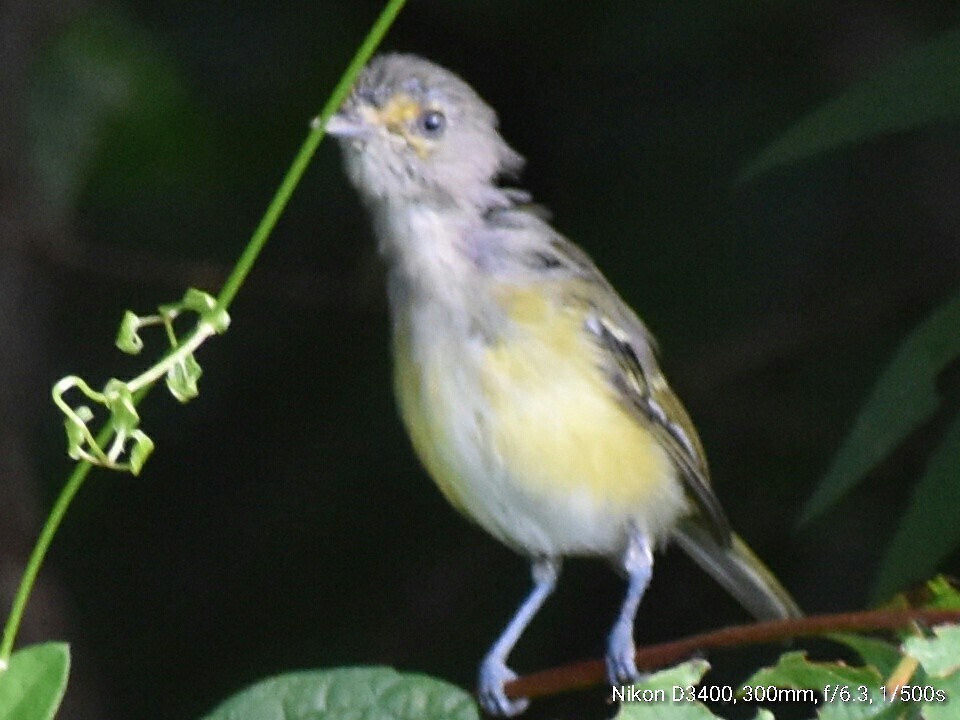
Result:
{"points": [[591, 673]]}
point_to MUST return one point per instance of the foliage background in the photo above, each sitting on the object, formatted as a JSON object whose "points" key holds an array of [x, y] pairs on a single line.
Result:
{"points": [[283, 522]]}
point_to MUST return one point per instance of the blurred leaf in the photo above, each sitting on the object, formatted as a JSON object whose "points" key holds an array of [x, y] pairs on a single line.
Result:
{"points": [[849, 693], [662, 684], [77, 429], [376, 693], [904, 397], [105, 98], [141, 450], [940, 658], [944, 692], [879, 654], [123, 409], [183, 377], [205, 305], [128, 336], [33, 686], [919, 88], [943, 593], [940, 655], [929, 530]]}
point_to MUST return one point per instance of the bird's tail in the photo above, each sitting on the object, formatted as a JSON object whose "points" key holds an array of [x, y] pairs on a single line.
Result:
{"points": [[737, 568]]}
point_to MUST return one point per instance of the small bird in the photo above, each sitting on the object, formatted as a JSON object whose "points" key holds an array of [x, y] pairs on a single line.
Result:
{"points": [[530, 390]]}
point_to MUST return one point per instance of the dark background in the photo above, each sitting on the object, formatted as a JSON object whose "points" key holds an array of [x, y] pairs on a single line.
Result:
{"points": [[283, 521]]}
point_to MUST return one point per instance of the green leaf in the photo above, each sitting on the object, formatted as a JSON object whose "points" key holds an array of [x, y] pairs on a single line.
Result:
{"points": [[944, 704], [198, 301], [77, 431], [921, 87], [849, 693], [123, 410], [942, 594], [928, 531], [219, 320], [140, 451], [881, 655], [654, 698], [205, 305], [376, 693], [904, 397], [128, 337], [182, 379], [940, 655], [688, 673], [939, 686], [33, 686]]}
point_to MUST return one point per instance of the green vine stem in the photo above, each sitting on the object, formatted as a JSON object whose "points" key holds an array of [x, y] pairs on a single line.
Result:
{"points": [[79, 474], [300, 162], [179, 354]]}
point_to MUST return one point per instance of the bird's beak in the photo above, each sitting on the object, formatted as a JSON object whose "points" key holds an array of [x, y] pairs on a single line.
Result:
{"points": [[348, 126]]}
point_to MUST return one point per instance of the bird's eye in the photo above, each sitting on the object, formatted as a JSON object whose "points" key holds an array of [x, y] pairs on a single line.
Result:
{"points": [[432, 123]]}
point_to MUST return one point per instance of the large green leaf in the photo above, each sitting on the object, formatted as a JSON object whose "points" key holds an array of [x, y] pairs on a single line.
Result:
{"points": [[33, 686], [929, 529], [919, 88], [376, 693], [904, 398]]}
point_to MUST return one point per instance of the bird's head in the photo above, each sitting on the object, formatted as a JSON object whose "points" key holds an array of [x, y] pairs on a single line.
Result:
{"points": [[412, 131]]}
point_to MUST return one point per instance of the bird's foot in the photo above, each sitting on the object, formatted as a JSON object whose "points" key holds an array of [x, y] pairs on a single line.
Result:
{"points": [[494, 674], [621, 666]]}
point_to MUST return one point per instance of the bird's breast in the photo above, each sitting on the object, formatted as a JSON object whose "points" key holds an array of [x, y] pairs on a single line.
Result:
{"points": [[516, 422]]}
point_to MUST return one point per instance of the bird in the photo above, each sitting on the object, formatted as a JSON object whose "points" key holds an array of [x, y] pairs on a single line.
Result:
{"points": [[531, 392]]}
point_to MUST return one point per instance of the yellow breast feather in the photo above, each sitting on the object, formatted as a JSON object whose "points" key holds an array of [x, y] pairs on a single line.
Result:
{"points": [[557, 421], [420, 403]]}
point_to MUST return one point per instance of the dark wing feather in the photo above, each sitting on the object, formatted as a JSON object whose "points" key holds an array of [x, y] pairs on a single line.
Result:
{"points": [[645, 391]]}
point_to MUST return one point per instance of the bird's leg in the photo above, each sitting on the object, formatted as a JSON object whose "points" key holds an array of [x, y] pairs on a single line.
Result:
{"points": [[637, 563], [494, 673]]}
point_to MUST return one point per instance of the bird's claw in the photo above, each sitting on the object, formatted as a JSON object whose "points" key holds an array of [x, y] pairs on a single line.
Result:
{"points": [[494, 675], [621, 666]]}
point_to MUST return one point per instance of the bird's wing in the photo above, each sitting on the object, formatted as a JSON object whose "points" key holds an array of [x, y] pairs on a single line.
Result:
{"points": [[528, 249], [636, 378], [628, 356]]}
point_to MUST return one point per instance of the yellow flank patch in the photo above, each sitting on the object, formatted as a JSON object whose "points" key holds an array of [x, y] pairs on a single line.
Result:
{"points": [[554, 419], [423, 415]]}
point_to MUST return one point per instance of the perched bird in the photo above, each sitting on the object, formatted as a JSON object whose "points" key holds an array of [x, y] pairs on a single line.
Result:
{"points": [[530, 390]]}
